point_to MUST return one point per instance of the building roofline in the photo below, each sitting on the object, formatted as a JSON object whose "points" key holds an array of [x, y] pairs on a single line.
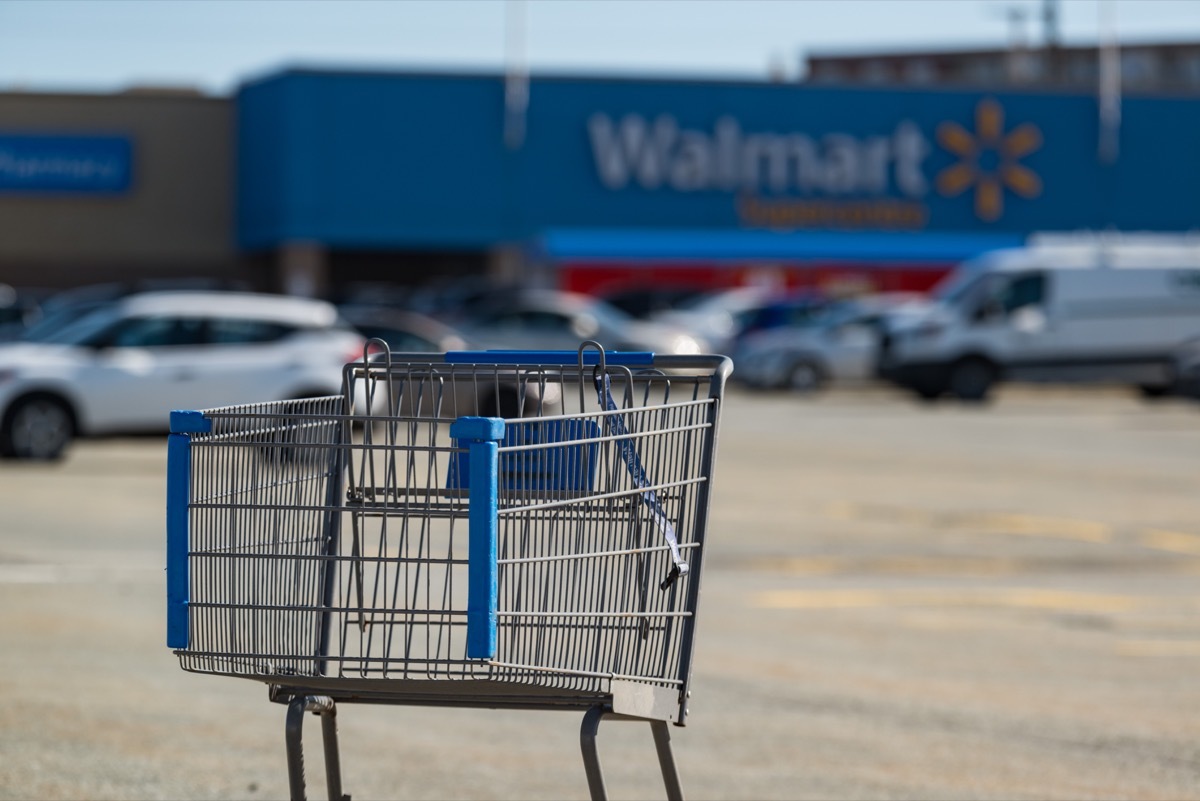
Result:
{"points": [[792, 85], [476, 73], [136, 93], [852, 53]]}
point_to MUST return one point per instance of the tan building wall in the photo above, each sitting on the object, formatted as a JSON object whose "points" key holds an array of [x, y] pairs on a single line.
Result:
{"points": [[177, 217]]}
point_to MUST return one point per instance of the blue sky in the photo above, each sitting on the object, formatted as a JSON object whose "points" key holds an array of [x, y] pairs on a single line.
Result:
{"points": [[213, 45]]}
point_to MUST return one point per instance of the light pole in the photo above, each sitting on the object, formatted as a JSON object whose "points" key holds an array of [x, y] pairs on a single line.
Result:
{"points": [[1109, 88], [516, 74]]}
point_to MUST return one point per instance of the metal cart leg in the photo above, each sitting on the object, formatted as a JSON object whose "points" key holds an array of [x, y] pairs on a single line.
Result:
{"points": [[294, 731], [591, 756], [666, 760]]}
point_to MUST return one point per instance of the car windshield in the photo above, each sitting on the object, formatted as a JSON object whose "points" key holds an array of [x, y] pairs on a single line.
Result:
{"points": [[57, 320], [608, 315], [79, 331], [837, 314], [720, 300], [952, 289]]}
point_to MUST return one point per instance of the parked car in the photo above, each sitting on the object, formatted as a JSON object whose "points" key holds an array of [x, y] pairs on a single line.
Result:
{"points": [[1097, 312], [717, 317], [19, 309], [1186, 369], [722, 318], [839, 344], [125, 366], [456, 300], [403, 331], [552, 320], [59, 309], [785, 310], [643, 302], [412, 332]]}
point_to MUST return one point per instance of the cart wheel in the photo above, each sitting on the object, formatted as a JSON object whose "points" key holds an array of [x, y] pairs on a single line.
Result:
{"points": [[37, 427]]}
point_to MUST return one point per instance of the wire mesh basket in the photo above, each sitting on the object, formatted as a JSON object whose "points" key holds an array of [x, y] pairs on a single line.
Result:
{"points": [[517, 529]]}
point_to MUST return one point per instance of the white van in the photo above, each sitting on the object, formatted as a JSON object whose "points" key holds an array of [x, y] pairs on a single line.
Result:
{"points": [[1101, 310]]}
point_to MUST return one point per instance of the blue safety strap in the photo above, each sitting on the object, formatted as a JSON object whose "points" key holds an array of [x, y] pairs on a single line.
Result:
{"points": [[633, 463]]}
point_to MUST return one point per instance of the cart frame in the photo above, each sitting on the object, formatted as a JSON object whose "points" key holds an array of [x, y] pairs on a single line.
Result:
{"points": [[570, 506]]}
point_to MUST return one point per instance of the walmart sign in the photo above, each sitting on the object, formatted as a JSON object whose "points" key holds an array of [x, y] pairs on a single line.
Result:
{"points": [[65, 164], [660, 154]]}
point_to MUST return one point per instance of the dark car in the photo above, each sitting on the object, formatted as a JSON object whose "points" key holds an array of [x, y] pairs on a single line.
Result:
{"points": [[1187, 369], [791, 309], [404, 331], [552, 320], [411, 332], [644, 301]]}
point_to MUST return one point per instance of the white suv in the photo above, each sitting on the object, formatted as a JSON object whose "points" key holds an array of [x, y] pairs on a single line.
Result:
{"points": [[124, 367]]}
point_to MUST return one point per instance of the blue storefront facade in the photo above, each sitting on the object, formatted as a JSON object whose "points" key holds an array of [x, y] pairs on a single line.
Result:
{"points": [[609, 177]]}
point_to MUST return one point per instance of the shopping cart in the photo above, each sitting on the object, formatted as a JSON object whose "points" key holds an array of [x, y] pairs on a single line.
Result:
{"points": [[489, 529]]}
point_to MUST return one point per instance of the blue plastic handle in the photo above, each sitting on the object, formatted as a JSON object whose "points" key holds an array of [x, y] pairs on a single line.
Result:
{"points": [[179, 487], [535, 357], [481, 437], [178, 541]]}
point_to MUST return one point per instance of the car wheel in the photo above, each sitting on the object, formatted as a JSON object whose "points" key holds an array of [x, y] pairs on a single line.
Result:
{"points": [[928, 394], [1154, 391], [804, 376], [972, 379], [37, 427]]}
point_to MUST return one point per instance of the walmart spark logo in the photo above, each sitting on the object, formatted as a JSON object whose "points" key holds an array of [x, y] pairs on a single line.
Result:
{"points": [[988, 160]]}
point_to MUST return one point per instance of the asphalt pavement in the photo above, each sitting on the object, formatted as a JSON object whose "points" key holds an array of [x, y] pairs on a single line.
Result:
{"points": [[900, 601]]}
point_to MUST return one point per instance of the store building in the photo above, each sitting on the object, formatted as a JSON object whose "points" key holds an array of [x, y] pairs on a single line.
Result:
{"points": [[128, 186], [599, 181], [314, 181], [1143, 67]]}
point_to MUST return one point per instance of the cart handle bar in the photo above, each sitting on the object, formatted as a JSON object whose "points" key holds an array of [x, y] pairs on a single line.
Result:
{"points": [[540, 357]]}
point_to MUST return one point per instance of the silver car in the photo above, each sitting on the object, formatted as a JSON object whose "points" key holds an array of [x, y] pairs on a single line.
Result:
{"points": [[552, 320], [840, 345]]}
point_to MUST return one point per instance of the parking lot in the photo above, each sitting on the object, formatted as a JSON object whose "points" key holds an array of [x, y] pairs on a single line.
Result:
{"points": [[901, 600]]}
